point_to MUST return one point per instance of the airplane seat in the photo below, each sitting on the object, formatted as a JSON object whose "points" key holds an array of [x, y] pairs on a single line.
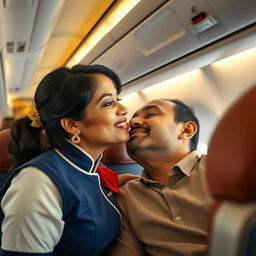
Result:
{"points": [[5, 160], [231, 176], [116, 158]]}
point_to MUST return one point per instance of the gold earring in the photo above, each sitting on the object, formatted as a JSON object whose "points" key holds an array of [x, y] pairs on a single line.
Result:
{"points": [[75, 138]]}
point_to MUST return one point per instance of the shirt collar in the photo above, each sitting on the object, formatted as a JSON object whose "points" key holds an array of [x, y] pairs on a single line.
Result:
{"points": [[78, 157], [186, 165]]}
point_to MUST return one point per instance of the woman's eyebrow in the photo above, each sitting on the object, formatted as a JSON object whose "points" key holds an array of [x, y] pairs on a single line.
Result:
{"points": [[105, 95]]}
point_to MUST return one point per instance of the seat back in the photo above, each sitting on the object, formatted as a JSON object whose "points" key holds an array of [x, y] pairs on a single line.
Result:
{"points": [[5, 160], [231, 176], [117, 159]]}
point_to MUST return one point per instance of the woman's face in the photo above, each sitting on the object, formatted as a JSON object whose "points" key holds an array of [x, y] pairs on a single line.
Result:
{"points": [[105, 122]]}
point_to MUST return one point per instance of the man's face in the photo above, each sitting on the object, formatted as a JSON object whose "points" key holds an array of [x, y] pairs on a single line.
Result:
{"points": [[153, 128]]}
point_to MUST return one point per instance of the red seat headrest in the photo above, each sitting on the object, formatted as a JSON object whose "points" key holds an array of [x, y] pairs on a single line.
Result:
{"points": [[231, 160], [5, 161]]}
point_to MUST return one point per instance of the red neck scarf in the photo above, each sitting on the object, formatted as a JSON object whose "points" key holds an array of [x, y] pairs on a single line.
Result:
{"points": [[108, 178]]}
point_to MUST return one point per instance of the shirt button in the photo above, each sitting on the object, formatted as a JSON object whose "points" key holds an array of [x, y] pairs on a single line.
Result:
{"points": [[178, 217]]}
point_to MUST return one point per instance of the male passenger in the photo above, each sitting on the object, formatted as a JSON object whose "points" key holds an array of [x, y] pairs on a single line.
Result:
{"points": [[165, 210]]}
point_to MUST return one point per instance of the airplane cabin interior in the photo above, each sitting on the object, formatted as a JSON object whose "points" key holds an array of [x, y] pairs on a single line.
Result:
{"points": [[202, 52]]}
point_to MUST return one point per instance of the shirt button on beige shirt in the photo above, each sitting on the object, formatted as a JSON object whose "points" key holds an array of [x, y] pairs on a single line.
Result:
{"points": [[178, 218]]}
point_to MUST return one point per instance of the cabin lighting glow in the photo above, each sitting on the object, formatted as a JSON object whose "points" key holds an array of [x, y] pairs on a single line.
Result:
{"points": [[247, 53], [171, 81], [128, 96], [9, 99], [112, 18]]}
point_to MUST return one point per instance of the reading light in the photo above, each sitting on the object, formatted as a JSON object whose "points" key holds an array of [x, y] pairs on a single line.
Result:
{"points": [[111, 19]]}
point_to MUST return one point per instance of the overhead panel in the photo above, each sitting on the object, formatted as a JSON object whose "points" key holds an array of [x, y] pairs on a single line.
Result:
{"points": [[175, 30], [25, 29], [75, 23], [139, 13], [76, 20], [164, 34]]}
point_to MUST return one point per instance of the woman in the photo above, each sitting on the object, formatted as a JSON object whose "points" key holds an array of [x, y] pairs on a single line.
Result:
{"points": [[54, 202]]}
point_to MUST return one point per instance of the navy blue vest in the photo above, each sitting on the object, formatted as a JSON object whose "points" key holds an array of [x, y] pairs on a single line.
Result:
{"points": [[92, 221]]}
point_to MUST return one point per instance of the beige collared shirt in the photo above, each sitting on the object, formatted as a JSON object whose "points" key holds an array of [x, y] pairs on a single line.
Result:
{"points": [[170, 219]]}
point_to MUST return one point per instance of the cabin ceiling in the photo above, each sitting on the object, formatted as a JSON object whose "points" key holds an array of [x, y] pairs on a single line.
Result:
{"points": [[38, 36], [76, 20]]}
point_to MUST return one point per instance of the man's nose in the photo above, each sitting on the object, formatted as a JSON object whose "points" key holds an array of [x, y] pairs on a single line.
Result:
{"points": [[136, 121]]}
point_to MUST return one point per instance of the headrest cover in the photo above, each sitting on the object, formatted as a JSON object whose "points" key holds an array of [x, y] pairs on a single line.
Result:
{"points": [[231, 161], [5, 161]]}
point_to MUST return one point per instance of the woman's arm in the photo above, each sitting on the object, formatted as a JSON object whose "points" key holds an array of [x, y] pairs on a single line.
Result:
{"points": [[33, 214]]}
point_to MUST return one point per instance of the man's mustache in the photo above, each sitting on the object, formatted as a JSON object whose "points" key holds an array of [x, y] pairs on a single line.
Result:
{"points": [[138, 127]]}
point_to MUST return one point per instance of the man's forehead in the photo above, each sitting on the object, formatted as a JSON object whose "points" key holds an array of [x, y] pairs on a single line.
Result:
{"points": [[160, 104]]}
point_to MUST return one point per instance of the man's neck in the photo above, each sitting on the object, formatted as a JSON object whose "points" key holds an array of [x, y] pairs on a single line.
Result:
{"points": [[158, 167]]}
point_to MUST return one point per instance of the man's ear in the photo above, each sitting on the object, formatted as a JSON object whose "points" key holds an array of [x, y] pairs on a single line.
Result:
{"points": [[188, 131], [69, 125]]}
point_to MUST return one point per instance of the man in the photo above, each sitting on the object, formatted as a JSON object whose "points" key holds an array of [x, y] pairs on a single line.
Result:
{"points": [[165, 211]]}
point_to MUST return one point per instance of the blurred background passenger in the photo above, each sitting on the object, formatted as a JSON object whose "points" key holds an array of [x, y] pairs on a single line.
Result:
{"points": [[54, 202], [7, 123]]}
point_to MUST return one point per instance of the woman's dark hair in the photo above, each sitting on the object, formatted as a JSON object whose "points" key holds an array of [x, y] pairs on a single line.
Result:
{"points": [[184, 113], [64, 92]]}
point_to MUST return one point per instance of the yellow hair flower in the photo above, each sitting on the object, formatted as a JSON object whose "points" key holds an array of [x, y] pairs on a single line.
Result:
{"points": [[33, 115]]}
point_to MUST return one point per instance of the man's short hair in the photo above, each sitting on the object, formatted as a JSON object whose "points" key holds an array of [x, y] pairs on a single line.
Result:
{"points": [[184, 113]]}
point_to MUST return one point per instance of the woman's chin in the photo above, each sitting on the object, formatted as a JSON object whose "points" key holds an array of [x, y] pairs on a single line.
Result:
{"points": [[122, 139], [126, 138]]}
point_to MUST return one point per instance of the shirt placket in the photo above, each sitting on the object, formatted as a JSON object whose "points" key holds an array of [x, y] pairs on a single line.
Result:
{"points": [[169, 195]]}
